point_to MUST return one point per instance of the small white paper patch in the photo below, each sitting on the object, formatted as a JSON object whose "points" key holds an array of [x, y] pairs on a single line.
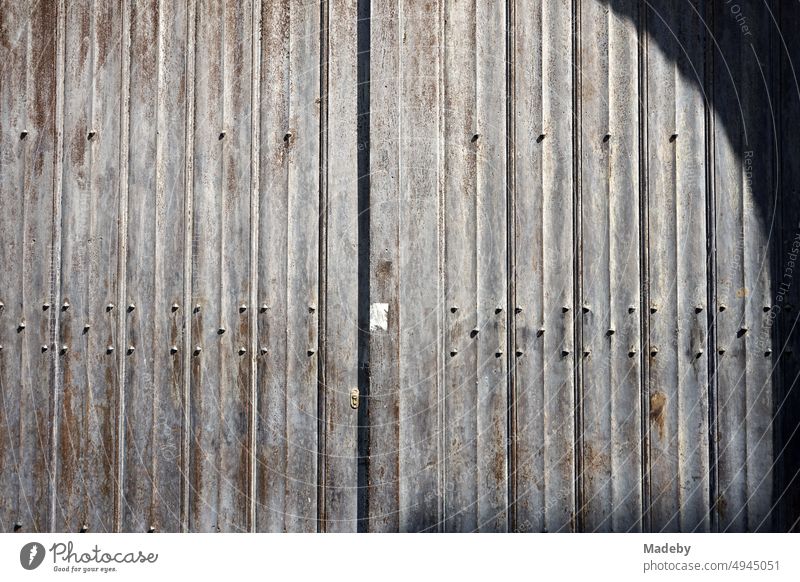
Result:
{"points": [[378, 316]]}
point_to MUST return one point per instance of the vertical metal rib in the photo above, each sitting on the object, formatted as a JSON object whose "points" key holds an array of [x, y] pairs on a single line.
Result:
{"points": [[711, 246], [511, 277], [187, 258], [322, 279], [255, 176], [122, 256], [55, 267], [577, 262], [644, 246]]}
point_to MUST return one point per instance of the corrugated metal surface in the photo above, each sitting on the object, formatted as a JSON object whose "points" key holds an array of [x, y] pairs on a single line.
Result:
{"points": [[580, 219]]}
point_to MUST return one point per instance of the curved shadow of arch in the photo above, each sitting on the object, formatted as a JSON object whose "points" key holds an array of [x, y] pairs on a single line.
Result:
{"points": [[748, 81]]}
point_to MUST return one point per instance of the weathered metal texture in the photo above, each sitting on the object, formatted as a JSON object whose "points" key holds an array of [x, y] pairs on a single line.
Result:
{"points": [[450, 265]]}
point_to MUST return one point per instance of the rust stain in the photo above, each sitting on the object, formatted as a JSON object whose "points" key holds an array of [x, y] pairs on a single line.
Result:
{"points": [[658, 405]]}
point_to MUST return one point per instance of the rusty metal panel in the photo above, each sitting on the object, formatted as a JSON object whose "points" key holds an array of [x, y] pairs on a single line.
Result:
{"points": [[89, 347], [28, 87], [744, 193], [677, 393], [154, 463], [341, 272], [288, 268], [544, 380], [475, 302], [398, 266], [610, 270]]}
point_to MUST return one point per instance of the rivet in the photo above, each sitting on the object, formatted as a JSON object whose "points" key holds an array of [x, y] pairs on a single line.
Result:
{"points": [[518, 309], [540, 138], [312, 308], [498, 353], [264, 308], [631, 352], [45, 306], [653, 351], [174, 307], [131, 307], [565, 309], [287, 136], [498, 309], [698, 354], [63, 349], [453, 353], [110, 350], [86, 328], [91, 135], [475, 137], [586, 309], [610, 332], [673, 137], [698, 309], [453, 308], [722, 307], [221, 135], [564, 353], [242, 351], [109, 307], [587, 352], [220, 331], [264, 350], [151, 529], [788, 307], [44, 348], [23, 134], [767, 308], [606, 137], [721, 351], [767, 352], [17, 526], [197, 308], [131, 349], [631, 309], [474, 332], [21, 326], [653, 308], [65, 305], [2, 305], [173, 349], [518, 353], [242, 308], [742, 331], [197, 350], [311, 352], [540, 332], [1, 347], [84, 528]]}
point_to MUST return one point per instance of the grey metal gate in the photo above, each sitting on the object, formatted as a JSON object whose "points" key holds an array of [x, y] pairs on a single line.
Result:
{"points": [[407, 265]]}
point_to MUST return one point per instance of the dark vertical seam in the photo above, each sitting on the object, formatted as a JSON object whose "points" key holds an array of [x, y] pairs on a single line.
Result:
{"points": [[778, 519], [577, 322], [122, 244], [59, 73], [644, 246], [363, 29], [322, 279], [711, 253], [255, 176], [188, 227], [511, 330], [773, 247]]}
